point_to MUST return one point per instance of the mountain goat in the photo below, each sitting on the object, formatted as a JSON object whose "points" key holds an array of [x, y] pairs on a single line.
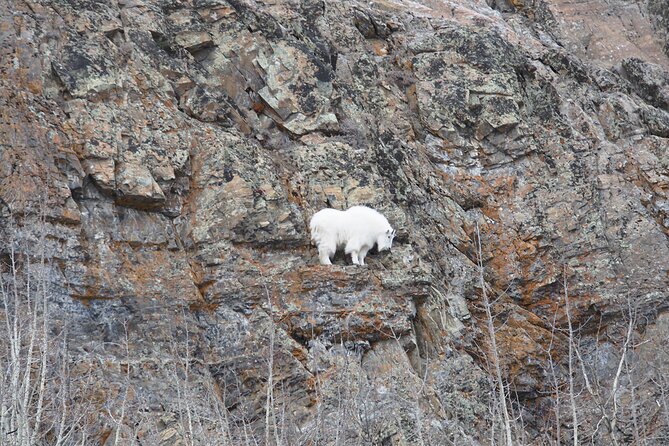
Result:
{"points": [[356, 230]]}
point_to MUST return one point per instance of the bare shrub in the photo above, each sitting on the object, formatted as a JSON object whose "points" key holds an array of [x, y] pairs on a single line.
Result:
{"points": [[40, 402]]}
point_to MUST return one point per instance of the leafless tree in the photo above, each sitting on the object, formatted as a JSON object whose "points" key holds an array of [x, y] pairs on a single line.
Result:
{"points": [[38, 405], [494, 351]]}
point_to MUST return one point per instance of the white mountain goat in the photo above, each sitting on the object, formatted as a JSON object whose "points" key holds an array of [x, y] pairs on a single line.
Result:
{"points": [[356, 230]]}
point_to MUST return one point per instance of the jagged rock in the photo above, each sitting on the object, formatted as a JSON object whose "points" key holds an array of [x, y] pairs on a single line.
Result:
{"points": [[205, 105], [455, 88], [298, 89], [103, 172], [168, 155], [656, 120], [194, 41], [650, 81], [136, 187], [88, 67], [607, 32]]}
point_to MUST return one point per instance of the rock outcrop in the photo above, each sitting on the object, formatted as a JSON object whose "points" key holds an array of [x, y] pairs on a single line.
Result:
{"points": [[167, 156]]}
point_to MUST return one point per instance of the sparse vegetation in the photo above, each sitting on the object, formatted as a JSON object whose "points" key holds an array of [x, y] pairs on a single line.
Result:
{"points": [[44, 401]]}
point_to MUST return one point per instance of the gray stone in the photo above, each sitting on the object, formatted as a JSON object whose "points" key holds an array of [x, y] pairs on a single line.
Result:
{"points": [[136, 187]]}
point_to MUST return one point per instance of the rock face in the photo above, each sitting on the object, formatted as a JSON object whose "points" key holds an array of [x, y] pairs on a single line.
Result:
{"points": [[171, 153]]}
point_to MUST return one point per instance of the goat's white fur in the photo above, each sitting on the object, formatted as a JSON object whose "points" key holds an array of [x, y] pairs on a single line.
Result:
{"points": [[356, 230]]}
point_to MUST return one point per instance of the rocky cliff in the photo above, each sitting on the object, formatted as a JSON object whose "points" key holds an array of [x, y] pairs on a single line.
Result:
{"points": [[163, 158]]}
